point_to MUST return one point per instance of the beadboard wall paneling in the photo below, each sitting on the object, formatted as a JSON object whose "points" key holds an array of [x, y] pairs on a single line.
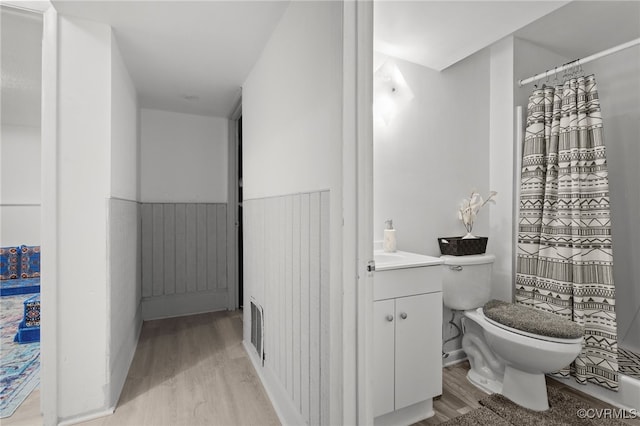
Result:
{"points": [[124, 278], [184, 258], [286, 267]]}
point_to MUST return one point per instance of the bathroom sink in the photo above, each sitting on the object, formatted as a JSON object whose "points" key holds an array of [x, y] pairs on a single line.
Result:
{"points": [[402, 260], [387, 257]]}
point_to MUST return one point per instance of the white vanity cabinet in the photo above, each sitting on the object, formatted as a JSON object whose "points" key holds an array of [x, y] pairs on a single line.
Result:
{"points": [[407, 343]]}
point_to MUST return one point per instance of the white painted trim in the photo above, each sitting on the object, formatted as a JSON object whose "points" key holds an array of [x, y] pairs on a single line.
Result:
{"points": [[519, 130], [49, 220], [349, 203], [501, 151], [177, 305], [87, 417], [364, 196], [408, 415], [285, 410]]}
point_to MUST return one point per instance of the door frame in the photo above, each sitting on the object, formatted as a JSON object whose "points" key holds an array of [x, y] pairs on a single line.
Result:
{"points": [[49, 220], [233, 221], [358, 212]]}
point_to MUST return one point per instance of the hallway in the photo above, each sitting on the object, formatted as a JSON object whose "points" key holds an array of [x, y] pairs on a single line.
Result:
{"points": [[192, 370]]}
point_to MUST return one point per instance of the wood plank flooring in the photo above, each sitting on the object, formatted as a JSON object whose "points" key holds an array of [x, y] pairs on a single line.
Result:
{"points": [[194, 371]]}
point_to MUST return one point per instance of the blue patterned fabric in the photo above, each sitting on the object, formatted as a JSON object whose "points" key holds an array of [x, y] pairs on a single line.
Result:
{"points": [[9, 263], [29, 328], [19, 363], [29, 261], [32, 311], [19, 286]]}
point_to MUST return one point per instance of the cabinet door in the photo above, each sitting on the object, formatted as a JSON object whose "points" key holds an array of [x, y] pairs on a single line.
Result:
{"points": [[383, 356], [418, 348]]}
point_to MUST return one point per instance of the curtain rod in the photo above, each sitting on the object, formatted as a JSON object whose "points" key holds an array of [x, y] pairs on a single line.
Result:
{"points": [[579, 62]]}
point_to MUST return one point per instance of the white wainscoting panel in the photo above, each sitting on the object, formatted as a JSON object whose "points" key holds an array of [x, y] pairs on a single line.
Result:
{"points": [[286, 271], [124, 293], [184, 258]]}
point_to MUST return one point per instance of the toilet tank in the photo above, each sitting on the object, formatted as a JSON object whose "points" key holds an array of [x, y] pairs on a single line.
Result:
{"points": [[466, 281]]}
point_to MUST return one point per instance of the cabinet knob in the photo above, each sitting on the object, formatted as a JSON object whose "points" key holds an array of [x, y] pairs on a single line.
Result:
{"points": [[389, 318], [403, 315]]}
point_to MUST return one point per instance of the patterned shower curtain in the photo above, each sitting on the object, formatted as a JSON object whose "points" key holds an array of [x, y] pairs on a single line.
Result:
{"points": [[565, 260]]}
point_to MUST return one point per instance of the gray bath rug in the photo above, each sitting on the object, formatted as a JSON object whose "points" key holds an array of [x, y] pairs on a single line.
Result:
{"points": [[478, 417], [564, 410]]}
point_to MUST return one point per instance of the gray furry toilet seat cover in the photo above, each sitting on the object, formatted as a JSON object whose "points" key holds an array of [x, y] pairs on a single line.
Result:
{"points": [[532, 320]]}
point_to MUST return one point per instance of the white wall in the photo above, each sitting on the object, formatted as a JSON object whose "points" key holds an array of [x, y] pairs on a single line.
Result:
{"points": [[124, 130], [292, 143], [83, 184], [183, 170], [292, 115], [502, 170], [183, 157], [20, 133], [123, 226], [98, 222], [618, 79], [434, 152], [531, 59], [20, 185]]}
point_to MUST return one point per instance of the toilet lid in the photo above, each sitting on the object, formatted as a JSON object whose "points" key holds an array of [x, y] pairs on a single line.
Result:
{"points": [[533, 321]]}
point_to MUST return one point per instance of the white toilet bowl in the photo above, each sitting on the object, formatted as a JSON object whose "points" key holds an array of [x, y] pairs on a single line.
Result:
{"points": [[503, 359], [520, 360]]}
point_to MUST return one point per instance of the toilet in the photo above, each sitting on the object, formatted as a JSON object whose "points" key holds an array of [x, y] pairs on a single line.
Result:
{"points": [[510, 347]]}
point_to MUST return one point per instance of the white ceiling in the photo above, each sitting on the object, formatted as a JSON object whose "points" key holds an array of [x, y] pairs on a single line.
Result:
{"points": [[186, 56], [205, 49], [583, 28], [437, 34]]}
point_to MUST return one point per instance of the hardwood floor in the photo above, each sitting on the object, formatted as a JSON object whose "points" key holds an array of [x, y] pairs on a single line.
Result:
{"points": [[186, 371], [458, 395], [27, 414], [194, 371]]}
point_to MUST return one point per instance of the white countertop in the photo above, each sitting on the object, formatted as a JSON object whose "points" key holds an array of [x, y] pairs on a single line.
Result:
{"points": [[403, 260]]}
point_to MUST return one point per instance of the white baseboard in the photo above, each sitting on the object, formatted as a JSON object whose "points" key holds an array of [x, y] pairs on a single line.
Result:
{"points": [[86, 417], [407, 416], [282, 404], [177, 305]]}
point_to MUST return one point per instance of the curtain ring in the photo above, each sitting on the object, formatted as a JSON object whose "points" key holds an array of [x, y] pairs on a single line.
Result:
{"points": [[567, 71]]}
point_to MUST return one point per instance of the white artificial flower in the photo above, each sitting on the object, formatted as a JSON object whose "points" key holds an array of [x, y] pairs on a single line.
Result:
{"points": [[469, 208]]}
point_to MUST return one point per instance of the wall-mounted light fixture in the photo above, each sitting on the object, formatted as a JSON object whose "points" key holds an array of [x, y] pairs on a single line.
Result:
{"points": [[390, 93]]}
